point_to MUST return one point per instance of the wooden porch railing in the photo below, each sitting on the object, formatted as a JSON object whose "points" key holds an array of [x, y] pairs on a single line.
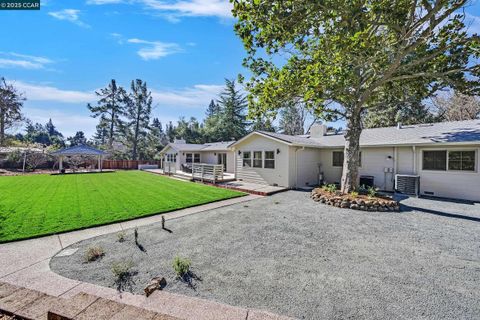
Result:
{"points": [[204, 171]]}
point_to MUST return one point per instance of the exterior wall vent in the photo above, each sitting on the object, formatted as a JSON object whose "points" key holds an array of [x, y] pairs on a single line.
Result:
{"points": [[407, 184]]}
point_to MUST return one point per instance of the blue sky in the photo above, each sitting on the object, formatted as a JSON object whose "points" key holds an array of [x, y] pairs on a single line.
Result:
{"points": [[183, 48]]}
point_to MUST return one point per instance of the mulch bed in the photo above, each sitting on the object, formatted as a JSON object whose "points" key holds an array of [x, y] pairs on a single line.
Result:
{"points": [[359, 202]]}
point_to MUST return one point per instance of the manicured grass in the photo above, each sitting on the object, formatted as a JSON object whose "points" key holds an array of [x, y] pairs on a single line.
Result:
{"points": [[37, 205]]}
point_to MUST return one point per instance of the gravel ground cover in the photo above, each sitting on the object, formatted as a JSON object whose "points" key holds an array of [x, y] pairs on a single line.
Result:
{"points": [[293, 256]]}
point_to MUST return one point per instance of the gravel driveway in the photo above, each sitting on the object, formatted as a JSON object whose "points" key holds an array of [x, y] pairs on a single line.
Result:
{"points": [[290, 255]]}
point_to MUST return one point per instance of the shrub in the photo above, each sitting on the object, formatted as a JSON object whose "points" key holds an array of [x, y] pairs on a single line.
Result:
{"points": [[121, 269], [121, 236], [94, 253], [372, 192], [122, 272], [181, 266], [354, 194], [331, 188]]}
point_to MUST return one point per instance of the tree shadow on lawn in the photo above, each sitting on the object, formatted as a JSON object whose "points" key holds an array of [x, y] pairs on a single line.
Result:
{"points": [[190, 278]]}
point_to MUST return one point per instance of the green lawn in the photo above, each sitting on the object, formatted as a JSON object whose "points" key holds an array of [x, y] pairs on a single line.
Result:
{"points": [[36, 205]]}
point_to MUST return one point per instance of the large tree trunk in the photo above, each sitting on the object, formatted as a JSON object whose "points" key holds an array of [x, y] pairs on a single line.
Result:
{"points": [[352, 151]]}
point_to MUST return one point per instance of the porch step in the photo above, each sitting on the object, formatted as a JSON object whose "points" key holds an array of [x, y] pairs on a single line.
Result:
{"points": [[33, 305]]}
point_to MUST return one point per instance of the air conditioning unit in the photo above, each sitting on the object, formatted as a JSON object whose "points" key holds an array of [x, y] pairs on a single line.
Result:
{"points": [[407, 184]]}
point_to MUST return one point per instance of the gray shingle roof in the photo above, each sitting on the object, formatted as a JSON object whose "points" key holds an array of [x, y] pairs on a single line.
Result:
{"points": [[434, 133], [214, 146], [79, 150]]}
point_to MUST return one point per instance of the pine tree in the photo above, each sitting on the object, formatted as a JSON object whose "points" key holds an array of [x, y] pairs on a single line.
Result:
{"points": [[138, 112], [101, 136], [111, 106], [77, 139], [292, 119], [170, 131], [233, 105], [213, 109], [263, 124]]}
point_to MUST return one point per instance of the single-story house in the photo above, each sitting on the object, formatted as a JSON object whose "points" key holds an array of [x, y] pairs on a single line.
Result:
{"points": [[181, 153], [442, 158]]}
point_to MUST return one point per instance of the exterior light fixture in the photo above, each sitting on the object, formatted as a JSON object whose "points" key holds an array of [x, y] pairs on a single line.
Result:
{"points": [[239, 152], [278, 151]]}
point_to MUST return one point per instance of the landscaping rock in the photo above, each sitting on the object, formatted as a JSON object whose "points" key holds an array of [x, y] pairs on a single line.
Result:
{"points": [[156, 283], [381, 204]]}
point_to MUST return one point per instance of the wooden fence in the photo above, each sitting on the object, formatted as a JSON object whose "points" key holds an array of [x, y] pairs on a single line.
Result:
{"points": [[126, 164]]}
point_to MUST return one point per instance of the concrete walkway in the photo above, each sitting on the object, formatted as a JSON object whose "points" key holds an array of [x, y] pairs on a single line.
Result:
{"points": [[26, 264]]}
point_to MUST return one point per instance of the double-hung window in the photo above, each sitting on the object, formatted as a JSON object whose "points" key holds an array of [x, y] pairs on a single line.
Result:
{"points": [[257, 159], [196, 158], [269, 160], [247, 159], [337, 160]]}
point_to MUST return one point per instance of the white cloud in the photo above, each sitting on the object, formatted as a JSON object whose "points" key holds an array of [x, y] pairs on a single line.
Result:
{"points": [[197, 96], [72, 15], [35, 92], [193, 8], [17, 60], [155, 49], [173, 9]]}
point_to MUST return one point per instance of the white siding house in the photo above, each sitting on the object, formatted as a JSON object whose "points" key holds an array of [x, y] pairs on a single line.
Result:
{"points": [[445, 156], [181, 153]]}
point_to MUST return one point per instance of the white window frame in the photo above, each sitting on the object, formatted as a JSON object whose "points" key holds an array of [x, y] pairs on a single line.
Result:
{"points": [[244, 159], [475, 160], [254, 159], [269, 159]]}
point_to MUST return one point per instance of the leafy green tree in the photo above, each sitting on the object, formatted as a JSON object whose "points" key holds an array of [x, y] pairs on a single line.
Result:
{"points": [[263, 124], [102, 133], [233, 105], [191, 131], [156, 139], [344, 58], [213, 109], [406, 113], [170, 131], [110, 107], [138, 112], [11, 103], [77, 139]]}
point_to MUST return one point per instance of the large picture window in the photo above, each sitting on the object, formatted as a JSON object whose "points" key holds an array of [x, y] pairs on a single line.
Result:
{"points": [[257, 159], [435, 160], [269, 160], [337, 158], [461, 160], [247, 159]]}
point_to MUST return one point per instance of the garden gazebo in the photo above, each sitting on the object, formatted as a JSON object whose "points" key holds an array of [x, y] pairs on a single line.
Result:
{"points": [[79, 150]]}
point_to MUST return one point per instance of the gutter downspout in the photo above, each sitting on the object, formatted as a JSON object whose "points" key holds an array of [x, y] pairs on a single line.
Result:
{"points": [[414, 160]]}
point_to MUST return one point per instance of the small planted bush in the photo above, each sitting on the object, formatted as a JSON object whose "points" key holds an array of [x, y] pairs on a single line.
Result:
{"points": [[122, 272], [330, 188], [354, 194], [94, 253], [371, 192], [181, 266]]}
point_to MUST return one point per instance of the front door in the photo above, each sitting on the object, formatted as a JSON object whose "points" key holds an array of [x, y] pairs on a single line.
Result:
{"points": [[222, 159]]}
